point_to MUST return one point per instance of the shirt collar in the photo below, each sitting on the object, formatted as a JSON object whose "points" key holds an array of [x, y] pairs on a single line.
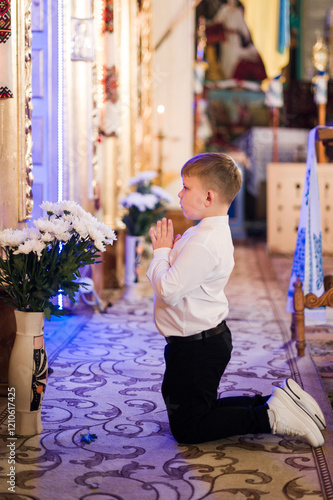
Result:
{"points": [[218, 220]]}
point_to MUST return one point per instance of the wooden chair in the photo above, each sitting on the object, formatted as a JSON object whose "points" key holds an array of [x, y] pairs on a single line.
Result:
{"points": [[311, 301]]}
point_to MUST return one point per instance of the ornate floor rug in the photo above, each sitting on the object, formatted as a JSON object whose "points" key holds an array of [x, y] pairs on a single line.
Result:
{"points": [[106, 433]]}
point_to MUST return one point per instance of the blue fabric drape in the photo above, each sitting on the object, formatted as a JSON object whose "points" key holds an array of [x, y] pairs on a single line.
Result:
{"points": [[284, 26]]}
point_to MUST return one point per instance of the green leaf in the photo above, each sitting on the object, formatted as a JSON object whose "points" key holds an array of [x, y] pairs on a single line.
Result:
{"points": [[47, 312]]}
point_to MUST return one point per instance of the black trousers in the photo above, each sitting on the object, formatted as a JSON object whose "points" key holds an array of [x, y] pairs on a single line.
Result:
{"points": [[192, 375]]}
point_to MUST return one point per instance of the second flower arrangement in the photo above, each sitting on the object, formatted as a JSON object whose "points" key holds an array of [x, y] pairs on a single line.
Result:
{"points": [[145, 205]]}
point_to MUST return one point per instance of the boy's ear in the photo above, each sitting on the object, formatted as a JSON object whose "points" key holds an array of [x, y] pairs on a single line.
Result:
{"points": [[209, 198]]}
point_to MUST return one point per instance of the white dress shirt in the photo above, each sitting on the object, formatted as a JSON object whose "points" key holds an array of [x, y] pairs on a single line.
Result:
{"points": [[189, 279]]}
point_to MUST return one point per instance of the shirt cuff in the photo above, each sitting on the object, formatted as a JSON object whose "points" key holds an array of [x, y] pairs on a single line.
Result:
{"points": [[162, 253]]}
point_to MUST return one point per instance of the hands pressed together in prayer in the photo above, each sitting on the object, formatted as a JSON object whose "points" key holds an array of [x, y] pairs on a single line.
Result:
{"points": [[162, 235]]}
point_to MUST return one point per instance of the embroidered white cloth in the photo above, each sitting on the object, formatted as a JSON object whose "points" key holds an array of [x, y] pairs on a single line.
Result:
{"points": [[308, 256], [6, 71], [111, 117]]}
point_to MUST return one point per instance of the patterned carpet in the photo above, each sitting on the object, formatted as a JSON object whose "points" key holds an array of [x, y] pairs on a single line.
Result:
{"points": [[321, 347], [106, 433]]}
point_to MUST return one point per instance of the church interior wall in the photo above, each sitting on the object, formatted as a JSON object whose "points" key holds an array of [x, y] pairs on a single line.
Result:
{"points": [[173, 54], [173, 86]]}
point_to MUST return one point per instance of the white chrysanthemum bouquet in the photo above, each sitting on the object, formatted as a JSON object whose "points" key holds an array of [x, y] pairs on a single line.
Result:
{"points": [[41, 262], [145, 205]]}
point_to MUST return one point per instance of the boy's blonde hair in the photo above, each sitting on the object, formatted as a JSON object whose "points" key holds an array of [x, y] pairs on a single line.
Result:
{"points": [[217, 172]]}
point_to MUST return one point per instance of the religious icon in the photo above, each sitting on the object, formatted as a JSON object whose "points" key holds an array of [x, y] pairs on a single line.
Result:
{"points": [[82, 40], [238, 57]]}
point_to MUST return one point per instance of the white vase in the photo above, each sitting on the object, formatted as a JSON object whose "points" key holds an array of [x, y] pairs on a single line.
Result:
{"points": [[27, 373], [133, 257]]}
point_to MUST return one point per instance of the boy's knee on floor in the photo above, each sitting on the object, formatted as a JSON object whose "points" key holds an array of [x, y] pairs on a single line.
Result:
{"points": [[184, 434], [183, 438]]}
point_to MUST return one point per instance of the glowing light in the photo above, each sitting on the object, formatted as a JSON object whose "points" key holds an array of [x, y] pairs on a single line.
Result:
{"points": [[160, 122], [60, 100], [60, 112]]}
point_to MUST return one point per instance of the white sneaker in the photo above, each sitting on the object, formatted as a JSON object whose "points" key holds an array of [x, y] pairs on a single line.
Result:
{"points": [[305, 401], [287, 418]]}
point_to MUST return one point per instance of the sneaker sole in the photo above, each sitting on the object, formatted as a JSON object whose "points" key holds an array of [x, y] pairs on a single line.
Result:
{"points": [[317, 439], [309, 405]]}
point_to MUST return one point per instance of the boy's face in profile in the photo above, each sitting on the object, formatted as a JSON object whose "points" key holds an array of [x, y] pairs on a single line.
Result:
{"points": [[192, 198]]}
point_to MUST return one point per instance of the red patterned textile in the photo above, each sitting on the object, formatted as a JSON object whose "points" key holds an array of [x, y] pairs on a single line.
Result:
{"points": [[5, 21], [5, 93], [5, 50], [108, 16], [111, 93]]}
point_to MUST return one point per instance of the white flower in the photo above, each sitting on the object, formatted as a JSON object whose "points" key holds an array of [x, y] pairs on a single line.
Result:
{"points": [[12, 238], [162, 194], [109, 241], [101, 235], [67, 218], [150, 201], [62, 229], [31, 233], [146, 176], [81, 228], [132, 199], [94, 233], [49, 207], [59, 227], [109, 234], [61, 207], [36, 246], [105, 233], [139, 200], [63, 236], [99, 244], [72, 207], [90, 218], [44, 225], [47, 237]]}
